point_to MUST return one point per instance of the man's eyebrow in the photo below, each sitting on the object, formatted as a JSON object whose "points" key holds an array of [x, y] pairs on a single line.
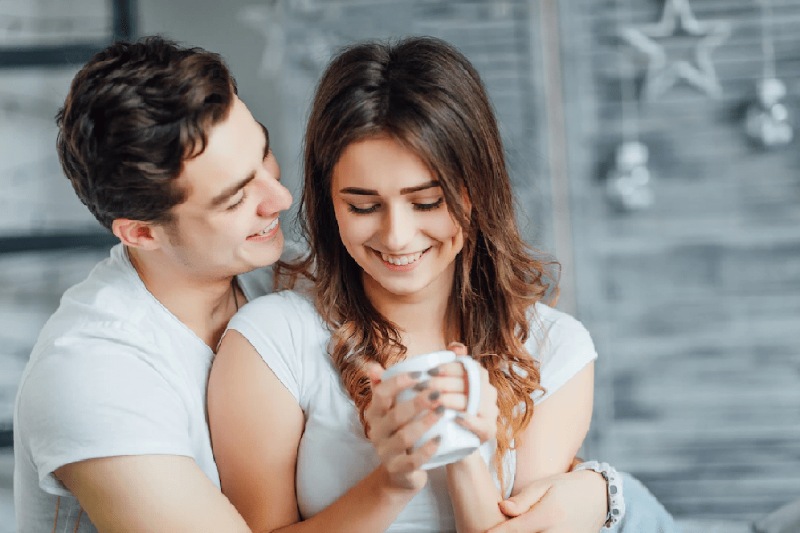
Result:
{"points": [[222, 197], [407, 190], [228, 192]]}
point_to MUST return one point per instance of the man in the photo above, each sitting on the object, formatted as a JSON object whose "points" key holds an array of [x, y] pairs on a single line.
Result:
{"points": [[110, 417], [110, 426]]}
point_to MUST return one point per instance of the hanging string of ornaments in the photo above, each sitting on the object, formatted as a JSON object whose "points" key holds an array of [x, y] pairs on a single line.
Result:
{"points": [[767, 120], [628, 183]]}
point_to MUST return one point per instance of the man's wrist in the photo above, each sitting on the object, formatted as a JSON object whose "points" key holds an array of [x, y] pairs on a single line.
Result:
{"points": [[616, 500]]}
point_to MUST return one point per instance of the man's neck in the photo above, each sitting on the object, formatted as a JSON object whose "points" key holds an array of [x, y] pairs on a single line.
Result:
{"points": [[204, 304]]}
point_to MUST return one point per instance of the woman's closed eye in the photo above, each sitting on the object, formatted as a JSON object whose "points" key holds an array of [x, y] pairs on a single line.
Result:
{"points": [[365, 209], [429, 206]]}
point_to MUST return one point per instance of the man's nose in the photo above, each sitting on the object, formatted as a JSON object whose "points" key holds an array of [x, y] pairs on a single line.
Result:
{"points": [[275, 198]]}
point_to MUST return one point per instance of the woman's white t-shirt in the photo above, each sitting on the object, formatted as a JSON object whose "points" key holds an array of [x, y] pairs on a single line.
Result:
{"points": [[334, 454]]}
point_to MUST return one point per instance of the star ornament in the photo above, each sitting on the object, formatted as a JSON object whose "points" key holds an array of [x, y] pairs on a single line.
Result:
{"points": [[664, 72]]}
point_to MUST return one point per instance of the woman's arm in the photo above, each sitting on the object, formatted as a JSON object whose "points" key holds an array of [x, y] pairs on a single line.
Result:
{"points": [[256, 425], [473, 493], [557, 430], [547, 496]]}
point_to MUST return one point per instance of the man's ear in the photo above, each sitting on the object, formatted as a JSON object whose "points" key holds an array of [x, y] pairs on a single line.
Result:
{"points": [[135, 233]]}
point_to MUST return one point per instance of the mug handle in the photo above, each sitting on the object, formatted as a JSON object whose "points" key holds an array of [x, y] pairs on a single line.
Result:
{"points": [[473, 370]]}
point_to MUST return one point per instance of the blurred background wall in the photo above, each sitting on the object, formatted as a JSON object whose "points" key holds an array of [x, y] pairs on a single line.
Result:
{"points": [[652, 151]]}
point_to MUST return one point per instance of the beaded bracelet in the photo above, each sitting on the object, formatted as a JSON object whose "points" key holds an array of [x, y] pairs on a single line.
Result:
{"points": [[616, 501]]}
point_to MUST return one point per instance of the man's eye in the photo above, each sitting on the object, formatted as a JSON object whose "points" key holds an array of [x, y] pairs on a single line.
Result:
{"points": [[239, 202], [362, 210]]}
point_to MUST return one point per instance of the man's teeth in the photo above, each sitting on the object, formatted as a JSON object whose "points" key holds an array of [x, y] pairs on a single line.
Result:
{"points": [[400, 260], [268, 228]]}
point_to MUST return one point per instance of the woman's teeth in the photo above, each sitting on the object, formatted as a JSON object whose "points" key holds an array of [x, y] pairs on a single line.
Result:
{"points": [[268, 228], [400, 260]]}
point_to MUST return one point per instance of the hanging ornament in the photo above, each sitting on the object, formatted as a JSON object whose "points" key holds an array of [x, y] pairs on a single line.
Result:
{"points": [[628, 181], [628, 185], [767, 119], [663, 72]]}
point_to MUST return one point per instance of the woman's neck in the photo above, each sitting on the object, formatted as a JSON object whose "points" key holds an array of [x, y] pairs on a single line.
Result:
{"points": [[424, 318]]}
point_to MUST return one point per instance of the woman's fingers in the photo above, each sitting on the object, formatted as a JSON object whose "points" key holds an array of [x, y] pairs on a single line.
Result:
{"points": [[448, 384], [384, 393], [454, 369], [484, 427], [409, 462], [457, 348], [404, 412], [407, 436], [454, 401]]}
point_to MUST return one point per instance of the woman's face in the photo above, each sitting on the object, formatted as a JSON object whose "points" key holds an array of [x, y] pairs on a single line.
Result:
{"points": [[393, 220]]}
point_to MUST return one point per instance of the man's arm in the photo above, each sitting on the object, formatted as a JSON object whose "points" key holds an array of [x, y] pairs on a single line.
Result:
{"points": [[144, 493]]}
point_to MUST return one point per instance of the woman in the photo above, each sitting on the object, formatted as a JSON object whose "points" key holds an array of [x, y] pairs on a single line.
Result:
{"points": [[408, 212]]}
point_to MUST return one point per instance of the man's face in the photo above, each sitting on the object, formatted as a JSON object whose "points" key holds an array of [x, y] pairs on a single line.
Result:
{"points": [[229, 223]]}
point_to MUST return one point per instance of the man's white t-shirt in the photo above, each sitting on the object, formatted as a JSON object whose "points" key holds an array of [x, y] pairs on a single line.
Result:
{"points": [[113, 373], [333, 453]]}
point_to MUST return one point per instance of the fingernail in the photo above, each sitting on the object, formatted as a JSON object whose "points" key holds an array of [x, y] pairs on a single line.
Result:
{"points": [[422, 385], [439, 410], [434, 395], [416, 374], [456, 344], [433, 371]]}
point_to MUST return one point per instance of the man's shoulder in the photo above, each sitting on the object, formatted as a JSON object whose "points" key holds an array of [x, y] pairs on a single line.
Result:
{"points": [[111, 301]]}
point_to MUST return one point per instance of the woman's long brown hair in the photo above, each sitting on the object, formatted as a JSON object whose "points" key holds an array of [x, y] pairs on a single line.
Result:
{"points": [[425, 94]]}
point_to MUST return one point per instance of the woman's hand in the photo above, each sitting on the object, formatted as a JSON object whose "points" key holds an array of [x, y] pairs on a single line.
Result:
{"points": [[575, 502], [452, 381], [394, 427]]}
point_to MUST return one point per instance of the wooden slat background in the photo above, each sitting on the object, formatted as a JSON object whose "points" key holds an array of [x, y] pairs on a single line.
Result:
{"points": [[695, 303]]}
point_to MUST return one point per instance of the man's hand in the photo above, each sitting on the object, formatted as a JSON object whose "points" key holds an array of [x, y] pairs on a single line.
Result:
{"points": [[575, 502]]}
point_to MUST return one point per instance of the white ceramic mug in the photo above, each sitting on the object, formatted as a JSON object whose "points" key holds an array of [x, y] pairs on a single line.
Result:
{"points": [[457, 441]]}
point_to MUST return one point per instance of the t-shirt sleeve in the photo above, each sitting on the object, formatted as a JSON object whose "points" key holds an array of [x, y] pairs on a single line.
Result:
{"points": [[90, 398], [563, 347], [268, 326]]}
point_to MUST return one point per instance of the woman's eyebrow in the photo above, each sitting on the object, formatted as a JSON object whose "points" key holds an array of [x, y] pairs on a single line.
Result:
{"points": [[407, 190]]}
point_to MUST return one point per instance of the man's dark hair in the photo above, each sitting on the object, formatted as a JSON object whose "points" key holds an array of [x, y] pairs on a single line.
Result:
{"points": [[134, 113]]}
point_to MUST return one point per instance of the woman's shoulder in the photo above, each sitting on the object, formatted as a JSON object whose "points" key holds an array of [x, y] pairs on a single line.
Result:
{"points": [[281, 315], [545, 319], [561, 345], [552, 331], [284, 303]]}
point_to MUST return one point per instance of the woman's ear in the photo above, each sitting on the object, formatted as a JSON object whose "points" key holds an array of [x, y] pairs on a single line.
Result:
{"points": [[467, 202], [135, 233]]}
